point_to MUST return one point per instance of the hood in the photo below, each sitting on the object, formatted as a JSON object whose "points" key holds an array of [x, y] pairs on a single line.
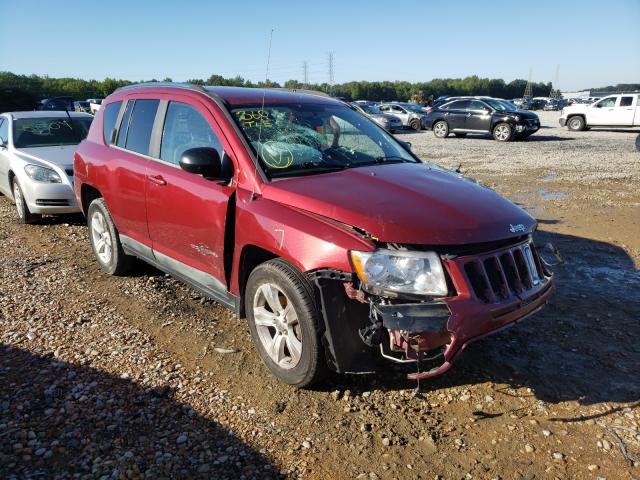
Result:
{"points": [[526, 114], [406, 203], [576, 107], [59, 155]]}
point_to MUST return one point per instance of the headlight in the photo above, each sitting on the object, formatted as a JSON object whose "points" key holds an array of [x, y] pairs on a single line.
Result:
{"points": [[517, 118], [418, 273], [42, 174]]}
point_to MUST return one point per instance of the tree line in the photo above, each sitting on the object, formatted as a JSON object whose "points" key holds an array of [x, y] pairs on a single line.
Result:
{"points": [[80, 89]]}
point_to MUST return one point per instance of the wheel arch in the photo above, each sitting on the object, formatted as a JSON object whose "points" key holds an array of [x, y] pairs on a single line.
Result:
{"points": [[88, 193], [250, 257]]}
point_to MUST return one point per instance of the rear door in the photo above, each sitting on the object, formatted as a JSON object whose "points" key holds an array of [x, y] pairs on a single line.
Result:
{"points": [[603, 112], [478, 116], [456, 114], [186, 212], [624, 110]]}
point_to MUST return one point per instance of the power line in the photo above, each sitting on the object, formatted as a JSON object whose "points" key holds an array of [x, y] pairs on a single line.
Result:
{"points": [[330, 73]]}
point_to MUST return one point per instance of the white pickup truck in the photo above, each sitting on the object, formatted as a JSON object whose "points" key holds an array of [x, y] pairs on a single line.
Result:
{"points": [[621, 110]]}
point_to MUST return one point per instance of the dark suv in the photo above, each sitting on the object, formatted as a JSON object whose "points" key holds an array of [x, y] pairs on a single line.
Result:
{"points": [[484, 115], [335, 242]]}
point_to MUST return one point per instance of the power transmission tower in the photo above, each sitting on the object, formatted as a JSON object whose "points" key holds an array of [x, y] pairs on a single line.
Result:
{"points": [[556, 82], [527, 89], [305, 73], [331, 73]]}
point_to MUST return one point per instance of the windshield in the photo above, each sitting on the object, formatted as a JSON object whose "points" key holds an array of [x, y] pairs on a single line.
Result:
{"points": [[306, 139], [46, 132], [413, 107], [371, 109], [501, 105]]}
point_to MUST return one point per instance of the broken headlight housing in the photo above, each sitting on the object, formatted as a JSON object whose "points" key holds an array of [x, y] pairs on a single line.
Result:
{"points": [[401, 271]]}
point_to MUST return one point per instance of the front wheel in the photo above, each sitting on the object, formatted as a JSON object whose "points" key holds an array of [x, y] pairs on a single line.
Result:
{"points": [[105, 240], [576, 124], [415, 125], [285, 323], [24, 215], [441, 129], [503, 132]]}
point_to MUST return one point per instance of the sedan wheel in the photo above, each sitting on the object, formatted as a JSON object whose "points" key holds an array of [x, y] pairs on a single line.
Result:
{"points": [[106, 241], [22, 208]]}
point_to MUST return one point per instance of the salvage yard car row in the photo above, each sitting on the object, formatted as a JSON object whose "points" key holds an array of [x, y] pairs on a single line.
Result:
{"points": [[336, 243]]}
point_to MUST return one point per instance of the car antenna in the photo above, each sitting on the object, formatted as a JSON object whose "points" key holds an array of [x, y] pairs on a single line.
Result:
{"points": [[66, 110], [264, 93]]}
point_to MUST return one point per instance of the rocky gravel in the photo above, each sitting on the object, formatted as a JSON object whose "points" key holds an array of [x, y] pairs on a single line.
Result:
{"points": [[142, 377]]}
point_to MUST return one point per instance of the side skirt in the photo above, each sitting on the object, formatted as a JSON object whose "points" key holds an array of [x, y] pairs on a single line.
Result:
{"points": [[201, 281]]}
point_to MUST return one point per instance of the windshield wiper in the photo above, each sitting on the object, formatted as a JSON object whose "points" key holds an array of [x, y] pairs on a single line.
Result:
{"points": [[379, 160], [308, 168]]}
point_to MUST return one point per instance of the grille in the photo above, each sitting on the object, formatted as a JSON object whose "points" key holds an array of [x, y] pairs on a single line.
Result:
{"points": [[69, 171], [52, 203], [505, 273]]}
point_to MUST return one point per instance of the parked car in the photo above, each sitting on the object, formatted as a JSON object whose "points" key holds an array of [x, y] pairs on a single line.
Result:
{"points": [[522, 103], [385, 120], [82, 106], [335, 242], [94, 104], [411, 116], [484, 115], [57, 103], [613, 111], [36, 160]]}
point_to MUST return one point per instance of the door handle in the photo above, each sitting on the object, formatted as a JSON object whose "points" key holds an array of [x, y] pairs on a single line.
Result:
{"points": [[468, 114], [157, 179], [446, 114]]}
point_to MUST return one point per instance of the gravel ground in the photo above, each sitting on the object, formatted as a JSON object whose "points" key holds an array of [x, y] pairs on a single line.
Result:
{"points": [[142, 377]]}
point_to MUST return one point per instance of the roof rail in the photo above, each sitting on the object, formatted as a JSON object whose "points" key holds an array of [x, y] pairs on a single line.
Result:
{"points": [[301, 90], [186, 86]]}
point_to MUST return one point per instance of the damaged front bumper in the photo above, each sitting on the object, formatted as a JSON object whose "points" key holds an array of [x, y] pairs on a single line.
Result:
{"points": [[494, 290]]}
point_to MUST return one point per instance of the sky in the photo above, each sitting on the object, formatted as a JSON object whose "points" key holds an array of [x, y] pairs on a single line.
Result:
{"points": [[590, 43]]}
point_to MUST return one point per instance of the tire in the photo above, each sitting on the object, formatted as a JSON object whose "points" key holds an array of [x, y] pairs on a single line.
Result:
{"points": [[460, 135], [105, 241], [503, 132], [24, 215], [576, 123], [299, 359], [415, 125], [441, 129]]}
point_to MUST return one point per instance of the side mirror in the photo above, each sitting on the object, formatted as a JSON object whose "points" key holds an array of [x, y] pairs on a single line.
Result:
{"points": [[206, 161], [405, 145]]}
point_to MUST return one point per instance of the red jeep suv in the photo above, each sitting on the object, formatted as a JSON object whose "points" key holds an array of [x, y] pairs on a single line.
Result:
{"points": [[337, 244]]}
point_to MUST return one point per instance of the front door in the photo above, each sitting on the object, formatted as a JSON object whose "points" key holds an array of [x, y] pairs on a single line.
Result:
{"points": [[186, 212], [478, 117], [603, 112]]}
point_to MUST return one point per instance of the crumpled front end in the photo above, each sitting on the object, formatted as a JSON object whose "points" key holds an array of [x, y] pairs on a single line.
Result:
{"points": [[491, 289]]}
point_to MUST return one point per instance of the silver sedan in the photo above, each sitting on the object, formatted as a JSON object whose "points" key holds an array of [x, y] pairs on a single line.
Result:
{"points": [[36, 160]]}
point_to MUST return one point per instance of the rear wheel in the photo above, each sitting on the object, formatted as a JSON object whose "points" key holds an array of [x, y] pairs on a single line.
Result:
{"points": [[503, 132], [105, 240], [576, 123], [285, 323], [24, 215], [441, 129]]}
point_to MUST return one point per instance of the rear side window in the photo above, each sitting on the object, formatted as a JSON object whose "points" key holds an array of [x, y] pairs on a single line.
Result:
{"points": [[626, 101], [124, 125], [110, 116], [140, 126], [458, 105], [185, 128]]}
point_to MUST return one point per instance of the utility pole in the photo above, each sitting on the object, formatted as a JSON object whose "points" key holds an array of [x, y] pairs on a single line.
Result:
{"points": [[305, 74], [331, 73], [556, 82], [527, 89]]}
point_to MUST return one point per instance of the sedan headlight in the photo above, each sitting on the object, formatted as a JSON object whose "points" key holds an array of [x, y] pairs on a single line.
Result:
{"points": [[42, 174], [418, 273]]}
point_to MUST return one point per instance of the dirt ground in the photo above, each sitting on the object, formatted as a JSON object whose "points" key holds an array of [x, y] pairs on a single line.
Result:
{"points": [[142, 377]]}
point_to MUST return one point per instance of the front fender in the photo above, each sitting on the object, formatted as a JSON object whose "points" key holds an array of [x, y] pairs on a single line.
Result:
{"points": [[306, 240]]}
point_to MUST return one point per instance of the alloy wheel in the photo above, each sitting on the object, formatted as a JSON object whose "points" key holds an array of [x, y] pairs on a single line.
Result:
{"points": [[440, 129], [277, 325], [502, 132], [17, 196], [101, 237]]}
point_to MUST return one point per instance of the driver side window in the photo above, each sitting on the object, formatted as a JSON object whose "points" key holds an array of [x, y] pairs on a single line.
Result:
{"points": [[185, 128], [4, 130], [607, 103]]}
